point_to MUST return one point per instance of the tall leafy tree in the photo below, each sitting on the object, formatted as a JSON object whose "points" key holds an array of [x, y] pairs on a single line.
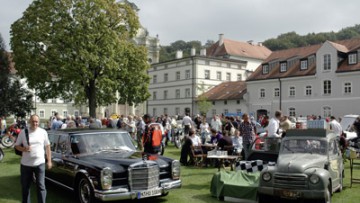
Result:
{"points": [[81, 50], [14, 97]]}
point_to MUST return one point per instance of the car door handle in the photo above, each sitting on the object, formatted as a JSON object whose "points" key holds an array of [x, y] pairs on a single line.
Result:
{"points": [[58, 161]]}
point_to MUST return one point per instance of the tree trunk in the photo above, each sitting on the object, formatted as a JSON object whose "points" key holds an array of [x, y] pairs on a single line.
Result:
{"points": [[92, 98]]}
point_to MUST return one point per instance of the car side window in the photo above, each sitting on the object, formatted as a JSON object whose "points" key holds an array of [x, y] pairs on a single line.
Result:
{"points": [[53, 141], [333, 147], [62, 144]]}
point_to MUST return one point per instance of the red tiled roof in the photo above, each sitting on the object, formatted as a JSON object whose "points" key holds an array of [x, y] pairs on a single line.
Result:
{"points": [[227, 91], [344, 46], [236, 48]]}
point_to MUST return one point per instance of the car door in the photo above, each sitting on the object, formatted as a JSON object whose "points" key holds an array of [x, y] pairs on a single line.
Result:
{"points": [[53, 138], [335, 165]]}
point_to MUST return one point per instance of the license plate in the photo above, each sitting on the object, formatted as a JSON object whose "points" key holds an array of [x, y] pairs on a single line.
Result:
{"points": [[149, 193], [289, 194]]}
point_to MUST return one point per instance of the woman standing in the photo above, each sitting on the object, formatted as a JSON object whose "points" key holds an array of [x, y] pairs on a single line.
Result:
{"points": [[204, 130]]}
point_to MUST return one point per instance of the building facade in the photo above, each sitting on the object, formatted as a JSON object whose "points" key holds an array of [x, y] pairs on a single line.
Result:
{"points": [[314, 80]]}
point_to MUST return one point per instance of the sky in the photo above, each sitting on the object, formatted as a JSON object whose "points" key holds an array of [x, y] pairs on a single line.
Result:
{"points": [[240, 20]]}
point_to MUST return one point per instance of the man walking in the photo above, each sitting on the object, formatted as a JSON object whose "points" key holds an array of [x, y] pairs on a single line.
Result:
{"points": [[247, 131], [33, 160]]}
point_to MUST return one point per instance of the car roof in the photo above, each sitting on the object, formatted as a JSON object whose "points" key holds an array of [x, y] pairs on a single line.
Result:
{"points": [[85, 130]]}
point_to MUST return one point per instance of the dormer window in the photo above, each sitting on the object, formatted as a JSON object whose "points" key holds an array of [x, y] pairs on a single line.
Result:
{"points": [[283, 67], [352, 58], [265, 69], [303, 65]]}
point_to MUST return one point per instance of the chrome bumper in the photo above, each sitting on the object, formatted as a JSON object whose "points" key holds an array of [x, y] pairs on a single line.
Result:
{"points": [[124, 193]]}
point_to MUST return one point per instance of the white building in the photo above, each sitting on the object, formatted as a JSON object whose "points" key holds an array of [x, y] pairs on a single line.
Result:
{"points": [[227, 98], [176, 84], [315, 80]]}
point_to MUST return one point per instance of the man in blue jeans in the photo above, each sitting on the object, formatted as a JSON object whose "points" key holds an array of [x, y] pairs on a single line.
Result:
{"points": [[33, 160]]}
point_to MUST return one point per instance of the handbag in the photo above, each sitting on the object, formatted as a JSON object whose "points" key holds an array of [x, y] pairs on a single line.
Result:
{"points": [[18, 152]]}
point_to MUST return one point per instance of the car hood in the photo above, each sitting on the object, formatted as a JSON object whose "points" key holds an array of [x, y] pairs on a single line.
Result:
{"points": [[119, 162], [298, 163]]}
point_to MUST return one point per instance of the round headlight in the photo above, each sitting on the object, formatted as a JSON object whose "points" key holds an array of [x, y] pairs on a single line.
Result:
{"points": [[314, 179], [266, 176]]}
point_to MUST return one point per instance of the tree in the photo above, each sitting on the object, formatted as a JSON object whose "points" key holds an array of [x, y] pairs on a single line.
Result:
{"points": [[14, 98], [81, 50], [203, 104]]}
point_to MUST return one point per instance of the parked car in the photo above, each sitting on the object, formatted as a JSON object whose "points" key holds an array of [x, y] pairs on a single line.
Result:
{"points": [[346, 124], [309, 166], [104, 164]]}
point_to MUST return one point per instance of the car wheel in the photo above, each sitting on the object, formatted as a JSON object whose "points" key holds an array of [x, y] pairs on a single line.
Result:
{"points": [[328, 195], [263, 198], [7, 141], [177, 142], [85, 192], [1, 154]]}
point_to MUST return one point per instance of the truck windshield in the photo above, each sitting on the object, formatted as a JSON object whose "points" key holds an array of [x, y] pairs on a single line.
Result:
{"points": [[101, 142], [303, 146]]}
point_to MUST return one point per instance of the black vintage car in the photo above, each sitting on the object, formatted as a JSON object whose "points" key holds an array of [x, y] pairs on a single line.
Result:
{"points": [[105, 165]]}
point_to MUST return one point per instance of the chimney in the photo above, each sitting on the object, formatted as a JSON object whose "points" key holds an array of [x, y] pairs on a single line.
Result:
{"points": [[193, 51], [179, 54], [203, 52], [221, 39]]}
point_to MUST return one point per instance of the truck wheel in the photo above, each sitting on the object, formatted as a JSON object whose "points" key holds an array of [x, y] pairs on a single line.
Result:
{"points": [[327, 198], [263, 198], [85, 192]]}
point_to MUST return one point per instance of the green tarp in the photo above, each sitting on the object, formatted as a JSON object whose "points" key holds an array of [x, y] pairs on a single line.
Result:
{"points": [[237, 184]]}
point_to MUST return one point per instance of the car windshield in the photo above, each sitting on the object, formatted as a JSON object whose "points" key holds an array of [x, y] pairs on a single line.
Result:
{"points": [[303, 146], [101, 142]]}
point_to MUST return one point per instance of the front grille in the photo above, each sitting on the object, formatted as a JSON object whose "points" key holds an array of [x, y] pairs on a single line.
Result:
{"points": [[290, 181], [144, 176]]}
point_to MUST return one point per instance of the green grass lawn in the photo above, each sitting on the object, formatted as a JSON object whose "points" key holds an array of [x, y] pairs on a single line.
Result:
{"points": [[195, 187]]}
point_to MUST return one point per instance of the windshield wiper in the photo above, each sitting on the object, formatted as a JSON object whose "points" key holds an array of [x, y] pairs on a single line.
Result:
{"points": [[117, 150]]}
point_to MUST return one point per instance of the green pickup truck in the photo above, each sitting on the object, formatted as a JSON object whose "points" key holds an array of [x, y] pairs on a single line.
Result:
{"points": [[309, 166]]}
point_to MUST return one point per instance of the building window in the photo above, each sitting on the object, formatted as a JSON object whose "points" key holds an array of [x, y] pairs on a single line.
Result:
{"points": [[265, 69], [226, 111], [283, 67], [187, 74], [237, 101], [154, 112], [277, 92], [303, 65], [177, 111], [239, 77], [327, 62], [218, 75], [352, 58], [326, 111], [213, 112], [165, 111], [225, 102], [228, 76], [76, 113], [154, 79], [207, 74], [308, 90], [65, 113], [178, 75], [347, 88], [165, 94], [177, 94], [53, 111], [327, 87], [187, 93], [42, 113], [292, 91], [154, 95], [292, 111], [238, 112], [166, 77], [262, 93]]}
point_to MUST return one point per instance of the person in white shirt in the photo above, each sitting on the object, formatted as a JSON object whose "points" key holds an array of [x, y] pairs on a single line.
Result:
{"points": [[274, 125], [335, 126], [204, 130], [237, 142], [216, 123], [194, 139], [33, 159], [187, 123]]}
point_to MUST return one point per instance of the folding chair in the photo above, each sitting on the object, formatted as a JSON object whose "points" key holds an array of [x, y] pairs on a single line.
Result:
{"points": [[198, 155]]}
